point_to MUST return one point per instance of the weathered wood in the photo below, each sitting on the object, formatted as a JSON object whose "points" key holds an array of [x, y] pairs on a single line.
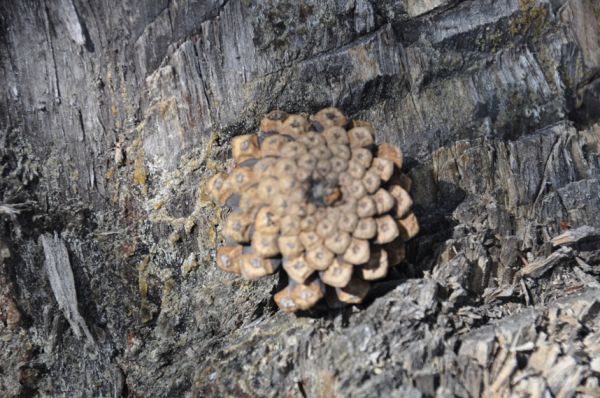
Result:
{"points": [[114, 114], [576, 235], [61, 279]]}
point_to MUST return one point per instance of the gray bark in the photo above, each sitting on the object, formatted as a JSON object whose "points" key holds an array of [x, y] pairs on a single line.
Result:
{"points": [[113, 114]]}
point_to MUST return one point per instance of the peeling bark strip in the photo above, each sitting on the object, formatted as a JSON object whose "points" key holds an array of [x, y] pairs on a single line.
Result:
{"points": [[539, 268], [61, 279], [69, 15]]}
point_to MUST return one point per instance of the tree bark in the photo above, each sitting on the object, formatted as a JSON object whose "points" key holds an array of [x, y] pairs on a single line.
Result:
{"points": [[114, 114]]}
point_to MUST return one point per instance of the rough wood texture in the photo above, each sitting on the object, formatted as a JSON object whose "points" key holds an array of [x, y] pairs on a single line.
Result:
{"points": [[113, 114], [61, 280]]}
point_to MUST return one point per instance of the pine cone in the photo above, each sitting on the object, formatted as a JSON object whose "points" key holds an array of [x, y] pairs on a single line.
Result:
{"points": [[327, 204]]}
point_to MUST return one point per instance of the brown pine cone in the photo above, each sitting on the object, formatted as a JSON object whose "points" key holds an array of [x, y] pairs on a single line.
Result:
{"points": [[324, 202]]}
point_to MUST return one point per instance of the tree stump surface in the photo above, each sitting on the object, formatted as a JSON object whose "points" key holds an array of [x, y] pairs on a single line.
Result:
{"points": [[114, 114]]}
